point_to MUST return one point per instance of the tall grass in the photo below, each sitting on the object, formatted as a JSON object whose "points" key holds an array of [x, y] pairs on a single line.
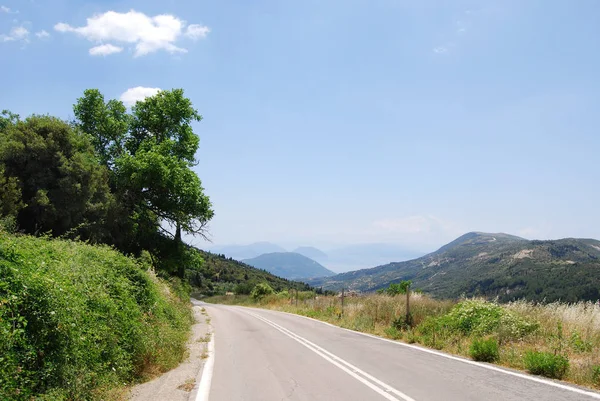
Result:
{"points": [[570, 331], [78, 321]]}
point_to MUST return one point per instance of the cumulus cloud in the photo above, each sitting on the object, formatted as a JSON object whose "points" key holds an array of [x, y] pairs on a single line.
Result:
{"points": [[147, 34], [196, 31], [42, 34], [19, 33], [105, 50], [133, 95]]}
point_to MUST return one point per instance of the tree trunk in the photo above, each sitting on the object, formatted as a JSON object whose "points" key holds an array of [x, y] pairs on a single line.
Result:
{"points": [[179, 244]]}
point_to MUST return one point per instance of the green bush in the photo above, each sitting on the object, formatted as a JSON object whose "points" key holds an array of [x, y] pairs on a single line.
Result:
{"points": [[76, 318], [484, 350], [546, 364], [260, 291], [596, 375], [480, 318]]}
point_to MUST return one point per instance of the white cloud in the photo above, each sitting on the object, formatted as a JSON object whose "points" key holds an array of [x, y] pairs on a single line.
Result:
{"points": [[42, 34], [132, 95], [148, 34], [4, 9], [440, 50], [18, 33], [105, 50], [196, 31]]}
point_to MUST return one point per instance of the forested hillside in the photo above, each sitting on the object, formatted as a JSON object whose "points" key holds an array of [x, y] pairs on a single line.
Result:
{"points": [[492, 265]]}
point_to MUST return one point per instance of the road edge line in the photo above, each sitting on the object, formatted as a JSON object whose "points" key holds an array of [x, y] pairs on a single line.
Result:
{"points": [[453, 357], [202, 391]]}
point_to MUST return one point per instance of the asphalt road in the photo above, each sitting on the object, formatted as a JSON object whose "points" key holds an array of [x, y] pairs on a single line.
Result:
{"points": [[262, 355]]}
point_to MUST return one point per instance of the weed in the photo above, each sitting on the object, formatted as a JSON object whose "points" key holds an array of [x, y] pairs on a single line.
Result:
{"points": [[484, 350], [546, 364], [188, 385]]}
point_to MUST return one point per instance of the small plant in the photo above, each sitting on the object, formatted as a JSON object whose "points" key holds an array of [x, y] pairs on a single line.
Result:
{"points": [[393, 333], [596, 375], [261, 290], [188, 385], [483, 350], [546, 364]]}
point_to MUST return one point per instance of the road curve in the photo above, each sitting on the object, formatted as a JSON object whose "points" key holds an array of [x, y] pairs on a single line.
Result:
{"points": [[263, 355]]}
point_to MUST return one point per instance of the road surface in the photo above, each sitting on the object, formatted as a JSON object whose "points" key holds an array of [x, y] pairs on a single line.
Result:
{"points": [[262, 355]]}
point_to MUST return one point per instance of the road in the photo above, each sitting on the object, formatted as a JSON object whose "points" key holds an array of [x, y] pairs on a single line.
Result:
{"points": [[262, 355]]}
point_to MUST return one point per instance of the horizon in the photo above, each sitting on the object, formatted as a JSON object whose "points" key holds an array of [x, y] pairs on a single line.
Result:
{"points": [[346, 122]]}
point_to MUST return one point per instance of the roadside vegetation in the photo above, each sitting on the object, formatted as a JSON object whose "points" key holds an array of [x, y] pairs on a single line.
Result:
{"points": [[556, 340], [79, 322]]}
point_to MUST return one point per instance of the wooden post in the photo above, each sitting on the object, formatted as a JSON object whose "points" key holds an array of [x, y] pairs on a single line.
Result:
{"points": [[342, 300], [296, 297], [408, 318]]}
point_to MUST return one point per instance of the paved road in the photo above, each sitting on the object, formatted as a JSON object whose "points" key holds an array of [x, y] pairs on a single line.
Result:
{"points": [[265, 355]]}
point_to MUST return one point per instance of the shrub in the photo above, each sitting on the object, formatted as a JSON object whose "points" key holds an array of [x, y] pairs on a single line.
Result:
{"points": [[261, 290], [596, 375], [77, 318], [546, 364], [484, 350]]}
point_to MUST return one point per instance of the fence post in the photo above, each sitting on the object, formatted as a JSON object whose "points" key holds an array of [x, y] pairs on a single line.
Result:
{"points": [[408, 317], [342, 301], [296, 297]]}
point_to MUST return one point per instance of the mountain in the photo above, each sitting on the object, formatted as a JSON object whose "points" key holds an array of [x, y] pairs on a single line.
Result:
{"points": [[311, 252], [491, 265], [220, 272], [359, 256], [240, 252], [289, 265]]}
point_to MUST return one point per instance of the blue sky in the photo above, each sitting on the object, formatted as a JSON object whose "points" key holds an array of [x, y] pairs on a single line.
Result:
{"points": [[333, 122]]}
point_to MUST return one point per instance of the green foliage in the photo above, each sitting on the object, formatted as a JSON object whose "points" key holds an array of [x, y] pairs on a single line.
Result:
{"points": [[484, 350], [596, 375], [50, 179], [260, 291], [480, 317], [546, 364], [75, 318], [398, 288]]}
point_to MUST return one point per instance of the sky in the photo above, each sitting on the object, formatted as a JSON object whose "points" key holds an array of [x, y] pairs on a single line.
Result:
{"points": [[355, 121]]}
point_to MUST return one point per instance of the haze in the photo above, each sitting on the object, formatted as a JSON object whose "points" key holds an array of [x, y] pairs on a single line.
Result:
{"points": [[337, 122]]}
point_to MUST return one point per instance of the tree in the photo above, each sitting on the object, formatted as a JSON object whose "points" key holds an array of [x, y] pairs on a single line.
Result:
{"points": [[150, 157], [50, 179]]}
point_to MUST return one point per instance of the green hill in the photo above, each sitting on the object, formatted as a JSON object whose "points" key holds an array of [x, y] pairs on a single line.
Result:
{"points": [[491, 265], [219, 274], [289, 265]]}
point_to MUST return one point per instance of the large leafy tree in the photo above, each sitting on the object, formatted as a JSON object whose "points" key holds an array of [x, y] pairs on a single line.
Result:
{"points": [[50, 178], [150, 158]]}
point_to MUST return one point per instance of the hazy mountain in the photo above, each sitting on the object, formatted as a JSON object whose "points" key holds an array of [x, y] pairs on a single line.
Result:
{"points": [[360, 256], [492, 265], [240, 252], [289, 265], [311, 252]]}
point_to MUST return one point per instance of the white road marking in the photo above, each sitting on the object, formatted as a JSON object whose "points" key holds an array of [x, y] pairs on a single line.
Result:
{"points": [[479, 364], [347, 367], [207, 371]]}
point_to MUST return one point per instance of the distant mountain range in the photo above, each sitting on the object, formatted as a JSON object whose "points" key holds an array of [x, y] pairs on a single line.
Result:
{"points": [[491, 265], [341, 259], [240, 252], [289, 265]]}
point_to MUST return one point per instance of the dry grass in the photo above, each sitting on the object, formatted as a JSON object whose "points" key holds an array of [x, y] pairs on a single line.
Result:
{"points": [[572, 330], [188, 385]]}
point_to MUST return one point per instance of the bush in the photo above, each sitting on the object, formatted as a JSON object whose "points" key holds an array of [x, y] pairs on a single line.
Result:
{"points": [[76, 318], [261, 290], [483, 350], [596, 375], [480, 317], [546, 364]]}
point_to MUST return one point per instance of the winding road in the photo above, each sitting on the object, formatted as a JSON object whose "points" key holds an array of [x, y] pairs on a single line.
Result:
{"points": [[262, 355]]}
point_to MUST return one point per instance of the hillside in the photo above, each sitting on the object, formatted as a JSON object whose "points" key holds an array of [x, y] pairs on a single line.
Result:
{"points": [[219, 274], [492, 265], [289, 265], [240, 252]]}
